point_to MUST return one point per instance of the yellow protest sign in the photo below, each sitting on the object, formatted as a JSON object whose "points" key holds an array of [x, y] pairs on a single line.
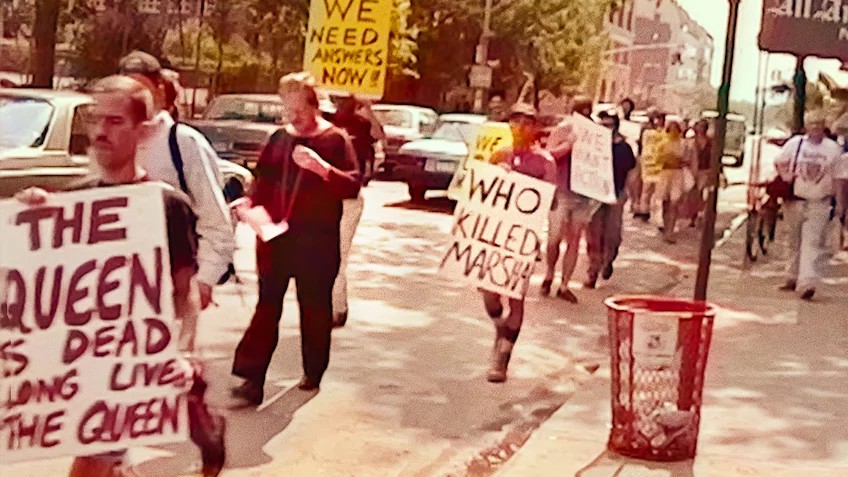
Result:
{"points": [[347, 45], [490, 138]]}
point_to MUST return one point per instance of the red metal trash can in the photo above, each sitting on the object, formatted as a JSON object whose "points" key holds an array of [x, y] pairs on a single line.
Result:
{"points": [[658, 351]]}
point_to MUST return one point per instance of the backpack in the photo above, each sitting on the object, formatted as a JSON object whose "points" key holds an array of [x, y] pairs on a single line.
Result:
{"points": [[177, 160]]}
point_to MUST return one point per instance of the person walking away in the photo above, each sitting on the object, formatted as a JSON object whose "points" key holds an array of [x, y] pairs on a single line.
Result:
{"points": [[672, 185], [700, 153], [604, 232], [116, 125], [573, 212], [524, 157], [810, 163], [360, 131], [182, 157], [304, 173], [651, 170]]}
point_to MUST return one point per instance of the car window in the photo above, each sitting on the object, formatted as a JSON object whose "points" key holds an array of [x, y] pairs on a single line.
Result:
{"points": [[79, 132], [244, 109], [456, 131], [394, 117], [24, 122]]}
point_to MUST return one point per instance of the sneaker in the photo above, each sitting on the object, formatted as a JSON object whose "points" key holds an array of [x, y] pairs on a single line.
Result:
{"points": [[251, 392], [789, 286], [608, 271], [591, 281], [567, 295], [809, 294], [545, 290]]}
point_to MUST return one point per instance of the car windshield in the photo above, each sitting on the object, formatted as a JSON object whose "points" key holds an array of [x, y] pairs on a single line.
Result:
{"points": [[244, 109], [456, 131], [23, 121], [394, 117]]}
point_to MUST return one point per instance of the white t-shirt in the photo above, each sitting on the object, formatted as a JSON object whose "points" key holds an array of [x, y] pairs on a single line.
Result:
{"points": [[815, 167], [841, 169]]}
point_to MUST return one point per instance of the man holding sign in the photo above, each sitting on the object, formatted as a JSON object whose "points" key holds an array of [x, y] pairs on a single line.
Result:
{"points": [[110, 343], [497, 229]]}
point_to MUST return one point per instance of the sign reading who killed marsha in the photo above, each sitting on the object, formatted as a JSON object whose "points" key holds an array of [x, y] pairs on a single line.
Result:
{"points": [[497, 228], [806, 28], [347, 44], [88, 355]]}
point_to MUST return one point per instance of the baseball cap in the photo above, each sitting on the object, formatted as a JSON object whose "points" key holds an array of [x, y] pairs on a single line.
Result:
{"points": [[141, 63]]}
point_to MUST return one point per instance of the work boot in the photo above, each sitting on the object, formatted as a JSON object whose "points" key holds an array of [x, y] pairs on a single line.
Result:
{"points": [[308, 384], [567, 295], [545, 290], [809, 294], [591, 281], [505, 339]]}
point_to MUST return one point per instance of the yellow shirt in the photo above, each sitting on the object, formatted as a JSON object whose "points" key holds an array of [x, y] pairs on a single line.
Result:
{"points": [[670, 153], [651, 142]]}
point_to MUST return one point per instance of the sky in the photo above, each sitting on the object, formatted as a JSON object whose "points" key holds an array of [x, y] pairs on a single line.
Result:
{"points": [[712, 15]]}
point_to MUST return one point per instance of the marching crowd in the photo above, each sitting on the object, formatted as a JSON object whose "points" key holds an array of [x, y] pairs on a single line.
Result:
{"points": [[309, 177]]}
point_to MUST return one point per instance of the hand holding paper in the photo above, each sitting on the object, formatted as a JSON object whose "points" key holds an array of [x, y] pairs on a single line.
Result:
{"points": [[260, 221]]}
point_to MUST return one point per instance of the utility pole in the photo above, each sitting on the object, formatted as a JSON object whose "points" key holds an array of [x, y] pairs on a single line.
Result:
{"points": [[800, 96], [481, 57], [708, 236]]}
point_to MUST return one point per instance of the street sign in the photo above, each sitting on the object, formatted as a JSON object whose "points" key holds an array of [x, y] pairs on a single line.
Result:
{"points": [[480, 77], [805, 28]]}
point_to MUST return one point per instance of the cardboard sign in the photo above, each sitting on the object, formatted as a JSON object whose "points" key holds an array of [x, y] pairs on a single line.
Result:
{"points": [[490, 138], [655, 340], [347, 45], [497, 229], [87, 348], [591, 161]]}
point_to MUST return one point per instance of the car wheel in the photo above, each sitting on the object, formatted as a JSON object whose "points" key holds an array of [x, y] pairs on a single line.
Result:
{"points": [[417, 193], [233, 190]]}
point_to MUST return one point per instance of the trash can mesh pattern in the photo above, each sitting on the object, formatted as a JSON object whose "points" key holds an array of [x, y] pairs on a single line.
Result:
{"points": [[656, 403]]}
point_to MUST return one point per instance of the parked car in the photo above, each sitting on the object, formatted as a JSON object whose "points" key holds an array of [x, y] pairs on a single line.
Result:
{"points": [[239, 125], [737, 132], [43, 142], [429, 164], [403, 124]]}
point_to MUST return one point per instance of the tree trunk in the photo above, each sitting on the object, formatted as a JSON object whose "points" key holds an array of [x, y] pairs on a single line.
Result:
{"points": [[43, 56], [219, 66]]}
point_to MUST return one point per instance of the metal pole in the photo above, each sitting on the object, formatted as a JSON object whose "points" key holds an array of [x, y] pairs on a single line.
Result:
{"points": [[201, 13], [708, 236], [482, 54], [800, 81]]}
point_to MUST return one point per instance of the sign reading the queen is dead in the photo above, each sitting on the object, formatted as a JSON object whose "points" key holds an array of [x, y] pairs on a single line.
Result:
{"points": [[347, 45], [88, 355]]}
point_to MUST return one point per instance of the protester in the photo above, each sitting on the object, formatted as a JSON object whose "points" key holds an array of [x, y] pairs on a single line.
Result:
{"points": [[181, 156], [627, 107], [497, 109], [573, 212], [671, 156], [842, 194], [700, 154], [117, 123], [361, 133], [526, 158], [810, 164], [650, 169], [304, 173], [604, 233]]}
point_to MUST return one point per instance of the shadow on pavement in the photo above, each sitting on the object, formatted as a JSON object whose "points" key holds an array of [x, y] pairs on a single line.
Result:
{"points": [[440, 205], [611, 464]]}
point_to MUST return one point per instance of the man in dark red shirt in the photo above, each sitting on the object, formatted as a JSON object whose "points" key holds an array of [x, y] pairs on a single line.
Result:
{"points": [[304, 173]]}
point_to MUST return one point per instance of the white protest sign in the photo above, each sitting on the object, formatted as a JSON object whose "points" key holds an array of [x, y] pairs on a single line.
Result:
{"points": [[497, 229], [490, 137], [654, 340], [631, 131], [591, 161], [87, 328]]}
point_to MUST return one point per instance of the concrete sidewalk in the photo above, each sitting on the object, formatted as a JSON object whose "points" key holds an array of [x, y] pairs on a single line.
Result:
{"points": [[774, 398]]}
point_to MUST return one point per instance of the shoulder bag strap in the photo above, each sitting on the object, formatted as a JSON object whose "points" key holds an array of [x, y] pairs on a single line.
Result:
{"points": [[177, 158]]}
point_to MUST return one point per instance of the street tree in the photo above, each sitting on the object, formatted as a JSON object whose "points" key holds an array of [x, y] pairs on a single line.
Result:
{"points": [[44, 34]]}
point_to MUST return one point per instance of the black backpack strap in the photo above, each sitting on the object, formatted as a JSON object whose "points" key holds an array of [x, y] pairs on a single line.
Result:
{"points": [[177, 157]]}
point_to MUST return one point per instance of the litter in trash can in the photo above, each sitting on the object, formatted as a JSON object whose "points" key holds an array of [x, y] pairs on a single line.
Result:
{"points": [[659, 349]]}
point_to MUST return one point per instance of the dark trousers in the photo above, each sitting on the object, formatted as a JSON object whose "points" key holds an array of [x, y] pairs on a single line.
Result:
{"points": [[603, 237], [312, 259]]}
